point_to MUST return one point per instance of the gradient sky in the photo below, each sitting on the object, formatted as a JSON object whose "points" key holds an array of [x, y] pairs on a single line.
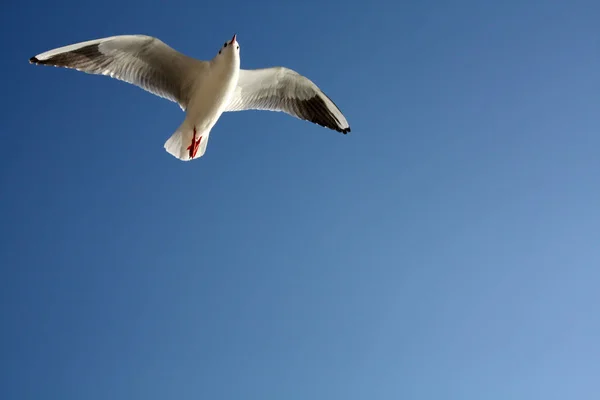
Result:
{"points": [[447, 248]]}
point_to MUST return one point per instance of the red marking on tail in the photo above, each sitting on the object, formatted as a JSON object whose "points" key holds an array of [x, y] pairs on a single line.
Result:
{"points": [[193, 147]]}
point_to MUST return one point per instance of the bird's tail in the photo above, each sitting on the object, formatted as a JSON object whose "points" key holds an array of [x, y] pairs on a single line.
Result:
{"points": [[187, 143]]}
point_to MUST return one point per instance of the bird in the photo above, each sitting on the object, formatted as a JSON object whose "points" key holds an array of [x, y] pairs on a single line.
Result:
{"points": [[203, 89]]}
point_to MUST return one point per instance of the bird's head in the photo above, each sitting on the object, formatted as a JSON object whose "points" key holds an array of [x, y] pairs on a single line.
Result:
{"points": [[230, 50]]}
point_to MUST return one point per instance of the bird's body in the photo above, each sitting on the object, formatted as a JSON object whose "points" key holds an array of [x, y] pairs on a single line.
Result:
{"points": [[205, 110], [214, 85], [203, 89]]}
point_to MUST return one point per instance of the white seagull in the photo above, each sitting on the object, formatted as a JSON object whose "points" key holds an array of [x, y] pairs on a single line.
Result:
{"points": [[203, 89]]}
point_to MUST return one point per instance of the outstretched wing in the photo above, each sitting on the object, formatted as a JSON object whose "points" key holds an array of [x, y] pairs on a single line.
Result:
{"points": [[282, 89], [141, 60]]}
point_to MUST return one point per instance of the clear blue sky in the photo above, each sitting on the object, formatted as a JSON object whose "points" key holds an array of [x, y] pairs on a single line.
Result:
{"points": [[447, 248]]}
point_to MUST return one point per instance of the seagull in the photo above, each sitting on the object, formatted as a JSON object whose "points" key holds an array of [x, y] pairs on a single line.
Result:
{"points": [[202, 89]]}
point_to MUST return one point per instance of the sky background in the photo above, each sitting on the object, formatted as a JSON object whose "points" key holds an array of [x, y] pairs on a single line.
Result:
{"points": [[447, 248]]}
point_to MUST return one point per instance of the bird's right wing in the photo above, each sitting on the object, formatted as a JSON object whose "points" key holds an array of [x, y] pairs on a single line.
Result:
{"points": [[141, 60]]}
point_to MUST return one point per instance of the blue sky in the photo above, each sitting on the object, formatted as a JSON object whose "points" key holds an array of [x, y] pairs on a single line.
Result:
{"points": [[447, 248]]}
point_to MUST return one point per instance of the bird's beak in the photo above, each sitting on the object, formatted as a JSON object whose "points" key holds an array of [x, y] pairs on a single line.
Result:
{"points": [[233, 40]]}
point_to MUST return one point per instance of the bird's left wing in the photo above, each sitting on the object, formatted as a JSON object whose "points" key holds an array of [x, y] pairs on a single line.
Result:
{"points": [[282, 89], [141, 60]]}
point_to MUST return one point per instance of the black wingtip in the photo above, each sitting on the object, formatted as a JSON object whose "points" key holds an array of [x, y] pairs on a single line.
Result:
{"points": [[33, 60], [343, 130]]}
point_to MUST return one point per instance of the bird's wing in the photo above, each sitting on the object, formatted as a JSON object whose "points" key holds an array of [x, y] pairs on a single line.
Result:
{"points": [[282, 89], [141, 60]]}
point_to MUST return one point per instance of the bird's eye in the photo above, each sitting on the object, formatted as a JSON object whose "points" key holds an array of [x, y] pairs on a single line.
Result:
{"points": [[238, 47], [225, 45]]}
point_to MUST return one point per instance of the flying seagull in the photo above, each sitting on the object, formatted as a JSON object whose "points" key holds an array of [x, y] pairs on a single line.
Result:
{"points": [[203, 89]]}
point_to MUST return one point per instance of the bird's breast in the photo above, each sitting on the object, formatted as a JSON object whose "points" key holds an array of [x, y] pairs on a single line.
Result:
{"points": [[210, 98]]}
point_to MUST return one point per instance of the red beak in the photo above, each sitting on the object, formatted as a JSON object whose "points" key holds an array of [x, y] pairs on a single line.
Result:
{"points": [[233, 40]]}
